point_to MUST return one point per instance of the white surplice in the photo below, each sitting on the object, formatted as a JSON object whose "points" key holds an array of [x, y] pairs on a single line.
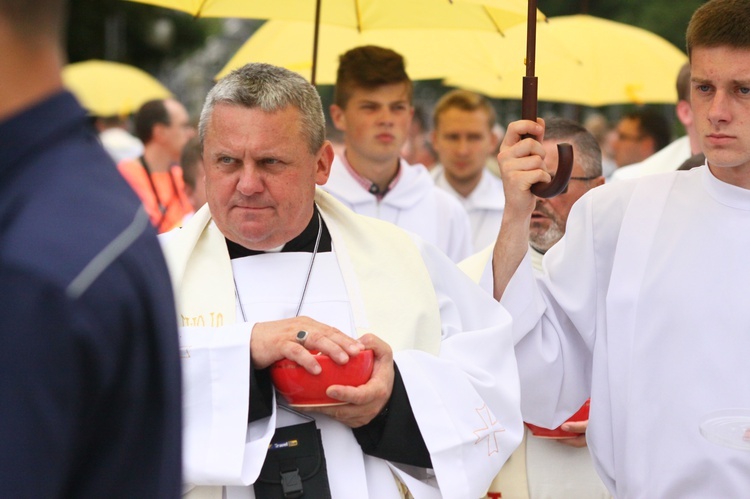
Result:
{"points": [[643, 307], [414, 204], [464, 395], [484, 205], [540, 468]]}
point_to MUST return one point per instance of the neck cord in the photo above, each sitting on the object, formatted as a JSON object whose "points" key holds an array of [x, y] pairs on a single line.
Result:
{"points": [[307, 279]]}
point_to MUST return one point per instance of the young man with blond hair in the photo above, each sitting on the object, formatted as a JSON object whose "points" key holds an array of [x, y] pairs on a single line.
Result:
{"points": [[463, 138]]}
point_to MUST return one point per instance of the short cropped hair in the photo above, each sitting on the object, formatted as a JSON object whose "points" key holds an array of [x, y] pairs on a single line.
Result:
{"points": [[586, 145], [465, 101], [719, 22], [147, 117], [369, 67], [683, 83], [269, 88]]}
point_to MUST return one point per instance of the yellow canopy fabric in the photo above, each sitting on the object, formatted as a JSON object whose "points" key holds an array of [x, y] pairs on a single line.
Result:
{"points": [[485, 15], [108, 88], [583, 60], [429, 54]]}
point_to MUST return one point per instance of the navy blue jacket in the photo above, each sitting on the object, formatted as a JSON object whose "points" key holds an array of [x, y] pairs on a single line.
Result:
{"points": [[89, 366]]}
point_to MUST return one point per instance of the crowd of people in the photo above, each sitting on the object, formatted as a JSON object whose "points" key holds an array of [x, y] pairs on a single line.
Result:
{"points": [[156, 272]]}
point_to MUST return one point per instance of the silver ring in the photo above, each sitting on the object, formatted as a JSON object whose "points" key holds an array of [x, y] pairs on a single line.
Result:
{"points": [[301, 337]]}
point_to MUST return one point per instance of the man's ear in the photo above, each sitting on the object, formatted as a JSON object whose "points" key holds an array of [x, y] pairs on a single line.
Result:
{"points": [[338, 118], [648, 146], [433, 136], [684, 113], [323, 163], [157, 131]]}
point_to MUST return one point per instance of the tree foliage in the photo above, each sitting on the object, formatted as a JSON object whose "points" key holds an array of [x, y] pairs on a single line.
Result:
{"points": [[133, 33], [666, 18]]}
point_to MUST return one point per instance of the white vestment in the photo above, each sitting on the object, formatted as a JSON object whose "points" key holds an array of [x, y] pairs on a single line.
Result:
{"points": [[464, 395], [667, 159], [484, 205], [643, 307], [414, 204], [540, 468]]}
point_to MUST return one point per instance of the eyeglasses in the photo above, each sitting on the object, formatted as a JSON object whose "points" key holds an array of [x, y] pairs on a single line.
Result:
{"points": [[582, 179]]}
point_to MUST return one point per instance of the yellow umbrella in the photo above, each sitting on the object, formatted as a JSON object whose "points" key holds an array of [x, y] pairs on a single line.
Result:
{"points": [[491, 15], [582, 60], [363, 15], [429, 54], [110, 88]]}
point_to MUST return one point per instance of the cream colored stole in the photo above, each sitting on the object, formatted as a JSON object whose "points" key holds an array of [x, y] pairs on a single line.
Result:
{"points": [[397, 303]]}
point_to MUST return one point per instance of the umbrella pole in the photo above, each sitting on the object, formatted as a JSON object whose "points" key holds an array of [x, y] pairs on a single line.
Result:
{"points": [[530, 81], [315, 42], [529, 100]]}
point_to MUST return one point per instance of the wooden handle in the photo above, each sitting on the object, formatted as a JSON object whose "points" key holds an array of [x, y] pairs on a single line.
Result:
{"points": [[562, 176]]}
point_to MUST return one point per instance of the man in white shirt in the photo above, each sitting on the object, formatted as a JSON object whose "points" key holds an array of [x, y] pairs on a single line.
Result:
{"points": [[463, 138], [672, 156], [642, 304], [373, 107], [272, 268]]}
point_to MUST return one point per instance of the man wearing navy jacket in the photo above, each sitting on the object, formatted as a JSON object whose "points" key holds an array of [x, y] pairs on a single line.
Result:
{"points": [[89, 364]]}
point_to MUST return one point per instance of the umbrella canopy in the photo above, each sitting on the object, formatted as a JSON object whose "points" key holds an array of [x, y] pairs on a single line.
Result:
{"points": [[363, 15], [429, 54], [582, 60], [110, 88], [488, 15]]}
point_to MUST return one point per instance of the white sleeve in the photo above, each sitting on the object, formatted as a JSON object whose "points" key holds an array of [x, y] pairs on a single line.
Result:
{"points": [[466, 400], [556, 314], [218, 446]]}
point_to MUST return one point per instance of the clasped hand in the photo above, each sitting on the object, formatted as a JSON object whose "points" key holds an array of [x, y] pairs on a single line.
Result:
{"points": [[276, 340]]}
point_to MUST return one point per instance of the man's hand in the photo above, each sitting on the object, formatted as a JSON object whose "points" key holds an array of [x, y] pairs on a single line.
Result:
{"points": [[521, 162], [575, 427], [366, 401], [521, 166], [276, 340]]}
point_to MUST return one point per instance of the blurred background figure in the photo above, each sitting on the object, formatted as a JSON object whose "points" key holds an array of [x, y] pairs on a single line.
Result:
{"points": [[372, 106], [164, 128], [599, 126], [672, 156], [463, 137], [193, 173], [417, 149], [639, 134], [115, 136]]}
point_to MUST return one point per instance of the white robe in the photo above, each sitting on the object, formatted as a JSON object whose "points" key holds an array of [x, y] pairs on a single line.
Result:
{"points": [[643, 307], [540, 468], [465, 397], [484, 205], [414, 204]]}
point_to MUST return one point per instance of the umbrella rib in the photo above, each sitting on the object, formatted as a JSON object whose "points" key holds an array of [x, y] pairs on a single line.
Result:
{"points": [[200, 8], [492, 19], [359, 16]]}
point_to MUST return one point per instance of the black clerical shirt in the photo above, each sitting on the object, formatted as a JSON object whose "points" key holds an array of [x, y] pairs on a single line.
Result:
{"points": [[393, 435]]}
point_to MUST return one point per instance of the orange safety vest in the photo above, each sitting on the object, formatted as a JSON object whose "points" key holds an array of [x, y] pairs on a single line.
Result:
{"points": [[162, 193]]}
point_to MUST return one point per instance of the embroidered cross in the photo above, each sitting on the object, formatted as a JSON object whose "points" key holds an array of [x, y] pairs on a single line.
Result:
{"points": [[488, 431]]}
